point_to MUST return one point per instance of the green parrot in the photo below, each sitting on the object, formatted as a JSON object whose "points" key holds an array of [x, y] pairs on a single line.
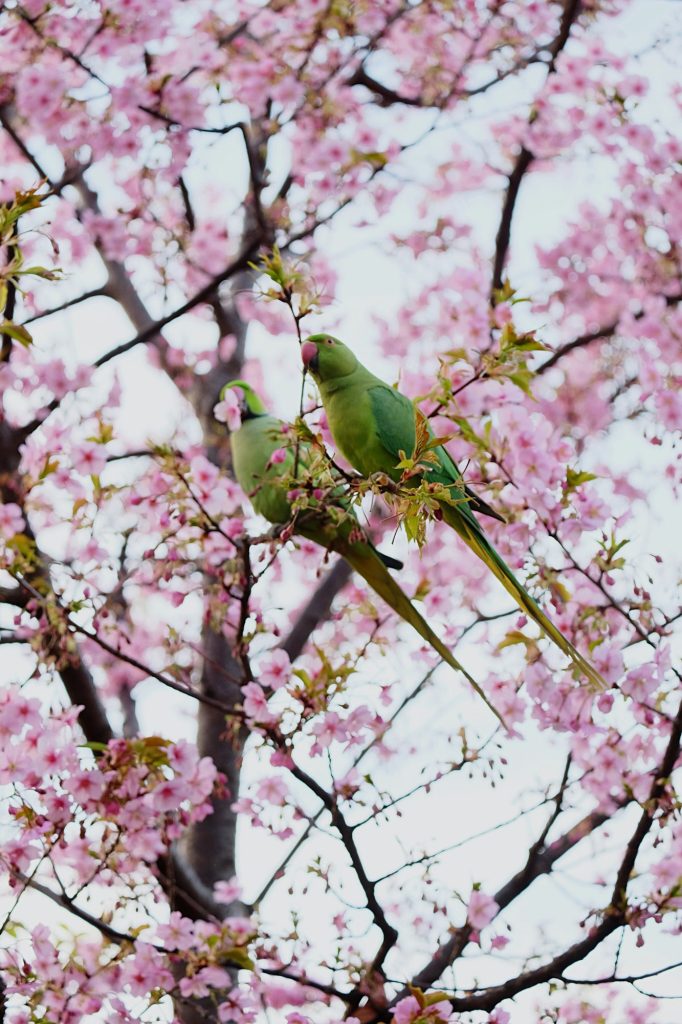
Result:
{"points": [[372, 423], [331, 524]]}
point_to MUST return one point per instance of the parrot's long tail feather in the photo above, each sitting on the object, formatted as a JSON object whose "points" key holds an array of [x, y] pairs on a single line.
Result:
{"points": [[472, 536], [482, 507], [368, 564], [389, 561]]}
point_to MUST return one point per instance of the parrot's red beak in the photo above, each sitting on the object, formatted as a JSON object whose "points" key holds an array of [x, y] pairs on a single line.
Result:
{"points": [[308, 354]]}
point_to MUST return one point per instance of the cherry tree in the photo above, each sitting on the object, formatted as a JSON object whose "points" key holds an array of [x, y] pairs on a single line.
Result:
{"points": [[234, 788]]}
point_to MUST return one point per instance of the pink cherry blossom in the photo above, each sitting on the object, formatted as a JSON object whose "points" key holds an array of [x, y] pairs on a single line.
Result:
{"points": [[408, 1010], [89, 458], [227, 891], [481, 909], [274, 669], [11, 519], [256, 705], [227, 410]]}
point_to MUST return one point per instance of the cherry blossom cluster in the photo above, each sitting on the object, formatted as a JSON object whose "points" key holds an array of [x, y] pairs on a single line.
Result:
{"points": [[184, 149]]}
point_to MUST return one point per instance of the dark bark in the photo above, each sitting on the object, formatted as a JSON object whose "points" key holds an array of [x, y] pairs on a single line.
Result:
{"points": [[525, 157], [599, 334], [210, 845]]}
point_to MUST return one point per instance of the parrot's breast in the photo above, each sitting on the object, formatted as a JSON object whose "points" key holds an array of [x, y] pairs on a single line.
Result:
{"points": [[252, 449], [353, 426]]}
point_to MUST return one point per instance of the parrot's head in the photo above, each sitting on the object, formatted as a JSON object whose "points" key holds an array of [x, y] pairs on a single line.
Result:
{"points": [[326, 357], [249, 403]]}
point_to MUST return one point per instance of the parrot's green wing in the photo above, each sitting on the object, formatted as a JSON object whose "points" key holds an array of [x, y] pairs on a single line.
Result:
{"points": [[252, 448], [394, 421]]}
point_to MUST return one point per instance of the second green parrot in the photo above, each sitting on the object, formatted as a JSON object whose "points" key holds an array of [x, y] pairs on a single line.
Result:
{"points": [[375, 427], [264, 462]]}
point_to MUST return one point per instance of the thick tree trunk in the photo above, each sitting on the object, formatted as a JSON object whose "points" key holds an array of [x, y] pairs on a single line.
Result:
{"points": [[208, 853]]}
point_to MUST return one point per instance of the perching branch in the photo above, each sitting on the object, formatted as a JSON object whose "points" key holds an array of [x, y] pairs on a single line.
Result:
{"points": [[540, 862]]}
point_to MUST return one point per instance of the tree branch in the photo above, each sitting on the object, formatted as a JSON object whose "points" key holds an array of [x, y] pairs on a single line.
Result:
{"points": [[613, 917], [94, 293], [211, 843], [356, 761], [503, 237], [525, 157], [63, 901], [80, 686], [172, 684], [75, 674], [539, 862], [387, 96], [599, 334], [389, 933], [491, 997], [568, 17], [187, 892], [14, 596], [240, 262]]}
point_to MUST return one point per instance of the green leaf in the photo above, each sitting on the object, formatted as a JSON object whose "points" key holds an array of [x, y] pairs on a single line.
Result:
{"points": [[457, 353], [436, 442], [413, 528], [303, 676], [48, 275], [526, 344], [106, 433], [504, 293], [575, 477], [240, 958], [514, 637], [522, 379], [562, 590], [17, 331], [467, 431], [51, 465], [23, 545], [435, 997], [375, 158]]}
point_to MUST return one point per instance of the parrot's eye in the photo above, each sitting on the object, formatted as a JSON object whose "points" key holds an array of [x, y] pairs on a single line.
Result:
{"points": [[329, 341]]}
